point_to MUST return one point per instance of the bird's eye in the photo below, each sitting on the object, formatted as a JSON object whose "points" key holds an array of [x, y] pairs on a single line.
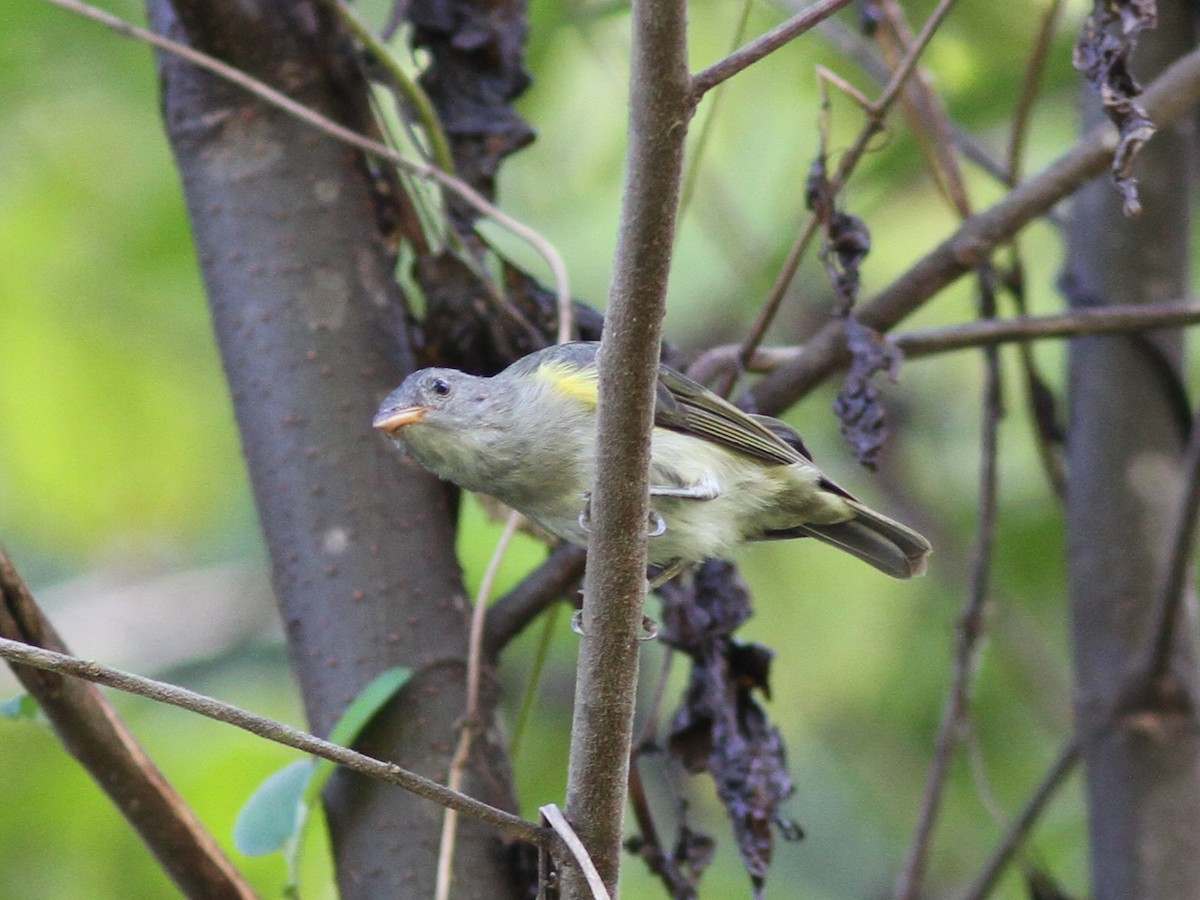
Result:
{"points": [[440, 386]]}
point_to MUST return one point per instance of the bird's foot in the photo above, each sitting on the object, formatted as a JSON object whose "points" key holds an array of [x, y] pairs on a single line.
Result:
{"points": [[649, 627], [656, 525]]}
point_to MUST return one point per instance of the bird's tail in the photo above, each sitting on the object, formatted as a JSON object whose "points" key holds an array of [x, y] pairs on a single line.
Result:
{"points": [[890, 547]]}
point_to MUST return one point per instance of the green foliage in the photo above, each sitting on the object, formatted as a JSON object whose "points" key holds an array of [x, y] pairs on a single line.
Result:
{"points": [[275, 816], [21, 706], [118, 450]]}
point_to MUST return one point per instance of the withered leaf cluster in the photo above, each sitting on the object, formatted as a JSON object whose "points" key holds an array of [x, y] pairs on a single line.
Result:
{"points": [[720, 728], [847, 242], [1103, 53]]}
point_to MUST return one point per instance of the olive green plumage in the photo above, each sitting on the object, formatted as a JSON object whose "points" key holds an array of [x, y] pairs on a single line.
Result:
{"points": [[718, 476]]}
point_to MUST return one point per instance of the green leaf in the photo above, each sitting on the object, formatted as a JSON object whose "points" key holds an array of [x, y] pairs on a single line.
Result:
{"points": [[360, 711], [275, 813], [22, 706], [369, 701]]}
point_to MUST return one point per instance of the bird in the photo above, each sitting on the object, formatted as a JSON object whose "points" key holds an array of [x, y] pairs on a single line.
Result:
{"points": [[719, 477]]}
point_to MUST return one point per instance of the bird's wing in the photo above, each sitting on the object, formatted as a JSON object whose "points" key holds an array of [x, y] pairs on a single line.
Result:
{"points": [[685, 406], [688, 407]]}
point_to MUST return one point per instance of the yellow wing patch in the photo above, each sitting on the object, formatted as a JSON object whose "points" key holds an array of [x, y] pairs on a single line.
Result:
{"points": [[580, 384]]}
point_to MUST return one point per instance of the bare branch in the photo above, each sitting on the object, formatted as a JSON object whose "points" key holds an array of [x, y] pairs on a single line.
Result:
{"points": [[1035, 69], [762, 46], [471, 721], [551, 581], [926, 113], [268, 94], [92, 731], [849, 161], [615, 580], [1032, 328], [970, 627], [504, 822], [969, 335], [1166, 100], [908, 64], [1067, 759]]}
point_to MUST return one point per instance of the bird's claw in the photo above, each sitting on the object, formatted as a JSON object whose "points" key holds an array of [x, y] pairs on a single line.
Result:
{"points": [[649, 627], [656, 524]]}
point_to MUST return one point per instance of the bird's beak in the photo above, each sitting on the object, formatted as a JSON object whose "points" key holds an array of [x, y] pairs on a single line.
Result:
{"points": [[389, 421]]}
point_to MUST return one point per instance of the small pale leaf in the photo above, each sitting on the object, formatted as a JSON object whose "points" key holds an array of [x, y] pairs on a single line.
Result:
{"points": [[22, 706], [275, 813]]}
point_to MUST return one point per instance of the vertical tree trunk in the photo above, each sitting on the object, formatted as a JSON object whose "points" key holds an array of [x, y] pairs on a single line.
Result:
{"points": [[1127, 431], [287, 228]]}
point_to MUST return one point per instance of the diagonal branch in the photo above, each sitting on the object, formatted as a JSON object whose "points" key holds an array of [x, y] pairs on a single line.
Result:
{"points": [[1166, 100], [92, 731], [760, 47], [876, 115], [339, 132], [1062, 766], [50, 661]]}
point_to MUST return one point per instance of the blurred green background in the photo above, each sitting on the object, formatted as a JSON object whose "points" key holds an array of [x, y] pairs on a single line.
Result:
{"points": [[124, 502]]}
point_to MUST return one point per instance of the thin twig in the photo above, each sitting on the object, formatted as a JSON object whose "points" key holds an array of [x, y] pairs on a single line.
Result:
{"points": [[537, 668], [849, 161], [692, 168], [414, 95], [855, 46], [762, 46], [1035, 69], [339, 132], [657, 860], [909, 62], [504, 822], [470, 723], [927, 115], [1022, 118], [1165, 100], [1067, 759], [971, 624]]}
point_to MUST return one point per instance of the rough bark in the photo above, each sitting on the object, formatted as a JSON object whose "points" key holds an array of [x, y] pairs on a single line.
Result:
{"points": [[290, 231], [1127, 432]]}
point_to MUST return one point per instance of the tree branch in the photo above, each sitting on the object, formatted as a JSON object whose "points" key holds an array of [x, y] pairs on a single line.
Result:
{"points": [[1067, 759], [970, 626], [615, 580], [1165, 100], [504, 822], [876, 114], [339, 132], [970, 335], [551, 581], [760, 47], [92, 731]]}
